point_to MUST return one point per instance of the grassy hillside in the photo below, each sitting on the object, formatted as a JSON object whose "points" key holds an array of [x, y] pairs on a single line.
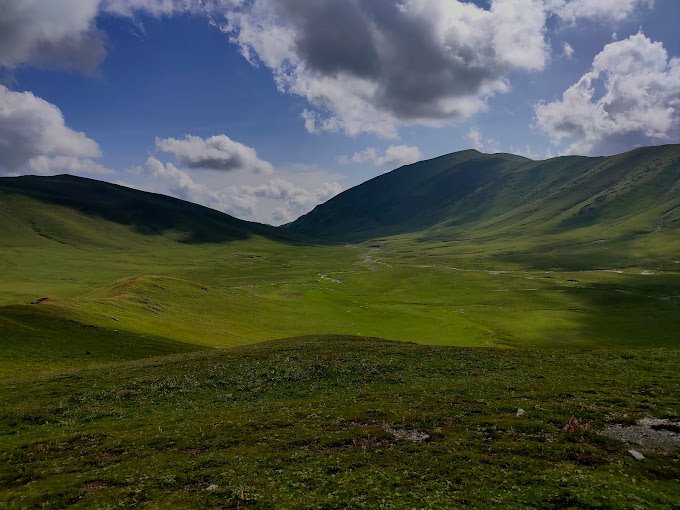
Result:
{"points": [[100, 265], [342, 422], [78, 211], [48, 339], [624, 201]]}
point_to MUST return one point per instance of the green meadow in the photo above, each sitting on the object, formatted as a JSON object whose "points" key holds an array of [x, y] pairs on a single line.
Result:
{"points": [[159, 354]]}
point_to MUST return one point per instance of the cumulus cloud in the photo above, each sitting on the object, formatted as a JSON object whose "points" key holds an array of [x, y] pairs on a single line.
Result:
{"points": [[295, 200], [50, 34], [167, 178], [597, 10], [640, 104], [35, 139], [165, 7], [300, 199], [408, 61], [482, 143], [63, 33], [276, 201], [215, 153], [366, 66], [394, 156]]}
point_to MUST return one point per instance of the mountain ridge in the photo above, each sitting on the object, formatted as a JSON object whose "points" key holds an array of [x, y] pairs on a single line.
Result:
{"points": [[467, 191], [463, 195]]}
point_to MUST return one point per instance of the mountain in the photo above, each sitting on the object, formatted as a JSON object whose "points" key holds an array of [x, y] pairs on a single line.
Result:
{"points": [[75, 210], [493, 196]]}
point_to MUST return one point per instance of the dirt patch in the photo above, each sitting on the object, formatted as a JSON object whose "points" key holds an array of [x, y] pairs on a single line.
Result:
{"points": [[415, 436], [39, 300], [94, 486], [356, 443], [648, 433]]}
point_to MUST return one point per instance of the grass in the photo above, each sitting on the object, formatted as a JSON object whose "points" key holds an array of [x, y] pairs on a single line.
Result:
{"points": [[113, 394], [311, 423], [39, 340], [197, 296]]}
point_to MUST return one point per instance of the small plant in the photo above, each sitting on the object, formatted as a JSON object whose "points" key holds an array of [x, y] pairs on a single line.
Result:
{"points": [[574, 425]]}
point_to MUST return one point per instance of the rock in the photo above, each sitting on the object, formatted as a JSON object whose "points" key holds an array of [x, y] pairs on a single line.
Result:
{"points": [[211, 487], [636, 455], [519, 413], [39, 300]]}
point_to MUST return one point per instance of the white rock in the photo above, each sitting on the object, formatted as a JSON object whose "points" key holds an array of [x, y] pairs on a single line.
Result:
{"points": [[211, 487], [519, 413], [636, 455]]}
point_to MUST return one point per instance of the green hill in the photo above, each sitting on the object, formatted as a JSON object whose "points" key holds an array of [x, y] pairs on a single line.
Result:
{"points": [[470, 195], [79, 211]]}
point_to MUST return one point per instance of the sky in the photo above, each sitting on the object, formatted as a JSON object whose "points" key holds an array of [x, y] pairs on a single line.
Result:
{"points": [[265, 108]]}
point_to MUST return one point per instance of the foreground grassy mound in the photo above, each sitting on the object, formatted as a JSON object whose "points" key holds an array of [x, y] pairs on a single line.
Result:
{"points": [[336, 422]]}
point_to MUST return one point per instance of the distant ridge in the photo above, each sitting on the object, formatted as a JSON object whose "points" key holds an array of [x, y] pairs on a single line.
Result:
{"points": [[74, 210], [473, 195]]}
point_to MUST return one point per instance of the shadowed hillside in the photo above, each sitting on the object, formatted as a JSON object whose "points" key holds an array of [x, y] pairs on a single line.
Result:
{"points": [[27, 208]]}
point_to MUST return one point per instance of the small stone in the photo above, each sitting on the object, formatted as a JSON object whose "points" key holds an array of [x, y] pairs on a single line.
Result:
{"points": [[211, 487], [519, 413], [636, 455]]}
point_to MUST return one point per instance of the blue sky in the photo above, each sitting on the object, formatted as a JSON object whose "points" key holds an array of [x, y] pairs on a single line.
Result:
{"points": [[263, 109]]}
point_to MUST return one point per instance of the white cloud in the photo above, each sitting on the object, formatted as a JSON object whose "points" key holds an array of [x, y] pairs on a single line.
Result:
{"points": [[297, 200], [482, 143], [164, 7], [35, 139], [215, 153], [366, 66], [597, 10], [167, 178], [567, 51], [275, 201], [640, 104], [45, 165], [394, 156]]}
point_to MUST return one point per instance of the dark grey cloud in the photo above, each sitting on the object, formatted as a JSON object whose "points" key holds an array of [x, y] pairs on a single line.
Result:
{"points": [[51, 34], [369, 65], [334, 37]]}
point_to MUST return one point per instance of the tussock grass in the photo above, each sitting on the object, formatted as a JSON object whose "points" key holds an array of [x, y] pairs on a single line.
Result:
{"points": [[309, 423]]}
